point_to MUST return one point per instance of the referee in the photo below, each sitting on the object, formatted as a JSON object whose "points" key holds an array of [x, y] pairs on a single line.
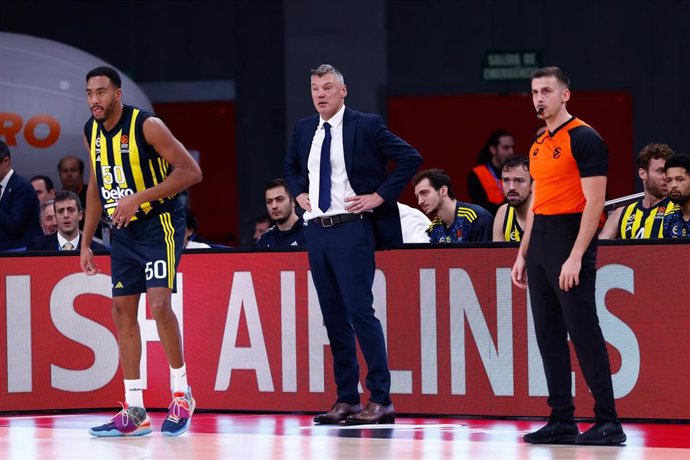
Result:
{"points": [[558, 256]]}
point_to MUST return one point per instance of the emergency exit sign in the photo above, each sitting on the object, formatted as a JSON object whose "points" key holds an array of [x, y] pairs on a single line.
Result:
{"points": [[510, 65]]}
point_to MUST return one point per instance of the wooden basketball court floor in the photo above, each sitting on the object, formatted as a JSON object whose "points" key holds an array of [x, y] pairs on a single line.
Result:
{"points": [[271, 436]]}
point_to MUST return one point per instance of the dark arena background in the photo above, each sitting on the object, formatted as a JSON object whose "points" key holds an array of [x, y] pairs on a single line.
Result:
{"points": [[231, 78]]}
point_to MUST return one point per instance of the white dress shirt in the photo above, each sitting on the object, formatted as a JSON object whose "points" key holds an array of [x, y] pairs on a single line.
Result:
{"points": [[62, 241], [5, 180], [340, 183]]}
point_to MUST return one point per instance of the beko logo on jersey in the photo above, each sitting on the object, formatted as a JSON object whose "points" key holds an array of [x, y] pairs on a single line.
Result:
{"points": [[115, 193]]}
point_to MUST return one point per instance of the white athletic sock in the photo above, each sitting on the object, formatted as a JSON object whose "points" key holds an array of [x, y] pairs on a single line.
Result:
{"points": [[178, 379], [134, 394]]}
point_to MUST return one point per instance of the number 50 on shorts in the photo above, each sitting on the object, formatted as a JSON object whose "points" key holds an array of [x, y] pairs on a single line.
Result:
{"points": [[157, 269]]}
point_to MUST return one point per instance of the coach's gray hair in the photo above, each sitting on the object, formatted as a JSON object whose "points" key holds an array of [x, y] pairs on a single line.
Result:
{"points": [[323, 69]]}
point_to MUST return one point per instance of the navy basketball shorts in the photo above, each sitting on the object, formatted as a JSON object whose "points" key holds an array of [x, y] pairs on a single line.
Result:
{"points": [[145, 254]]}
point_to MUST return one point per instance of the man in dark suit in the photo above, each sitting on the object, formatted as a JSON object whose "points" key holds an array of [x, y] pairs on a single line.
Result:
{"points": [[69, 213], [19, 206], [336, 170]]}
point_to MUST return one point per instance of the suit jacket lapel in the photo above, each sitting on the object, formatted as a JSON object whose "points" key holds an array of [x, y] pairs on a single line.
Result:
{"points": [[349, 125], [6, 192]]}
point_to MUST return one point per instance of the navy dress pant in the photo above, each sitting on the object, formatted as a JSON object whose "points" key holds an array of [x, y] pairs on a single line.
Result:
{"points": [[342, 265]]}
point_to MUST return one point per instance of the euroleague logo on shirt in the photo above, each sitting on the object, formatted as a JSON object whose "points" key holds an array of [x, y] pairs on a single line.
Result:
{"points": [[124, 144], [557, 153]]}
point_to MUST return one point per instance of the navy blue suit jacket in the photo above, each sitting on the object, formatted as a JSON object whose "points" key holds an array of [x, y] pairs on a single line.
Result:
{"points": [[19, 214], [368, 147], [50, 243]]}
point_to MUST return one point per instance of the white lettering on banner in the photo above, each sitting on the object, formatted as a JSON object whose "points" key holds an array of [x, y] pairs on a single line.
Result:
{"points": [[288, 331], [497, 360], [465, 309], [427, 324], [616, 332], [19, 357], [401, 381], [83, 331], [318, 338], [255, 357], [149, 331]]}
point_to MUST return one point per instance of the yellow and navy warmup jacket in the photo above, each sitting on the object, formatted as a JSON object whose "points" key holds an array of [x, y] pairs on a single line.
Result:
{"points": [[472, 223], [125, 164], [511, 229], [675, 225], [638, 222]]}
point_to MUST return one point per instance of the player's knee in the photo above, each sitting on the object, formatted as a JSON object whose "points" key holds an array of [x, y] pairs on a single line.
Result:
{"points": [[160, 308], [123, 316]]}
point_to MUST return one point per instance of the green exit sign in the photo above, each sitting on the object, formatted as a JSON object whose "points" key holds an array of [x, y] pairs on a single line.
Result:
{"points": [[510, 65]]}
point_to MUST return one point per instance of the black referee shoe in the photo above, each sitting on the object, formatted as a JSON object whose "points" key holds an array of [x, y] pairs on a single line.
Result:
{"points": [[555, 432], [603, 433]]}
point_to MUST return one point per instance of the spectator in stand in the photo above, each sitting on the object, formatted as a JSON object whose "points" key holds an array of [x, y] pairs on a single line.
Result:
{"points": [[71, 171], [19, 206], [261, 226], [454, 221], [511, 217], [644, 218], [191, 238], [677, 224], [289, 227], [45, 190], [48, 219], [484, 181], [68, 213]]}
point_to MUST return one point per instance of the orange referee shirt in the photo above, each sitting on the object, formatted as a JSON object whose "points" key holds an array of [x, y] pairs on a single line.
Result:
{"points": [[559, 160]]}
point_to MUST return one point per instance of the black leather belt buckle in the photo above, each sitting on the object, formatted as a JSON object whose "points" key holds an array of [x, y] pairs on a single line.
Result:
{"points": [[327, 221]]}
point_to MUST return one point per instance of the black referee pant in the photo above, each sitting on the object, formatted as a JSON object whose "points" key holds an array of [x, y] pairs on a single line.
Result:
{"points": [[558, 313]]}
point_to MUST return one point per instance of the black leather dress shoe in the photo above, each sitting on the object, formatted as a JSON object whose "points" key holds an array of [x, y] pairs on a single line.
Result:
{"points": [[374, 413], [338, 413]]}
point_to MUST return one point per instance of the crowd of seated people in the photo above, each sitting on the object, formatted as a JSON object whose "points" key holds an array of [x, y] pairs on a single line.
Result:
{"points": [[28, 208]]}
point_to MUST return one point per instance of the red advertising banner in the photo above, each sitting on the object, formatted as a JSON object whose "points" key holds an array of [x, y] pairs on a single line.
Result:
{"points": [[460, 336]]}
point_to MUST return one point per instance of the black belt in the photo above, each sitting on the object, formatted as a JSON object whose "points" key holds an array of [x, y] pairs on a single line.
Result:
{"points": [[330, 221]]}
